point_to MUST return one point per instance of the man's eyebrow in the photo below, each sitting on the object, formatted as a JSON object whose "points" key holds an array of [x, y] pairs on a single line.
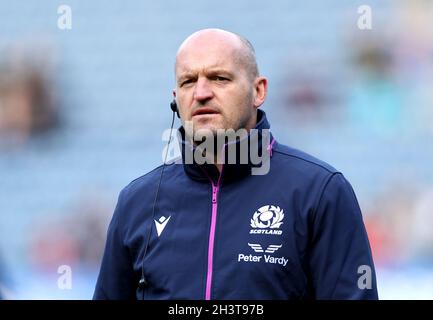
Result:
{"points": [[186, 75], [219, 71], [210, 72]]}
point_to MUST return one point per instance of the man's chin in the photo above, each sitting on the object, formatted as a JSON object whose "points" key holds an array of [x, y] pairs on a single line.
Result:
{"points": [[210, 127]]}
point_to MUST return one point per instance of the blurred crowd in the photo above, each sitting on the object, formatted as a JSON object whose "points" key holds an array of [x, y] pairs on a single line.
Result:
{"points": [[28, 105], [75, 238], [387, 95]]}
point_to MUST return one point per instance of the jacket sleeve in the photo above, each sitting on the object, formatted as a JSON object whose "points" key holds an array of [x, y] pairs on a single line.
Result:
{"points": [[340, 260], [116, 276]]}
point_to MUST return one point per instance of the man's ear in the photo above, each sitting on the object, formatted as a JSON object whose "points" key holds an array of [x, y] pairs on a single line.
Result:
{"points": [[174, 93], [260, 91]]}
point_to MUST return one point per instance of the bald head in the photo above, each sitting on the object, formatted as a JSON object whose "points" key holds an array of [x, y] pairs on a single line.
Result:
{"points": [[242, 50]]}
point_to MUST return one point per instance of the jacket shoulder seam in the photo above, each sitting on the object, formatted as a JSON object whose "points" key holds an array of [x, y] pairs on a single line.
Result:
{"points": [[148, 173], [309, 161], [326, 182]]}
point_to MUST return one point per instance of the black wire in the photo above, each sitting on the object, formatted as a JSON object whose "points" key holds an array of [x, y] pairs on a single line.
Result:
{"points": [[153, 208]]}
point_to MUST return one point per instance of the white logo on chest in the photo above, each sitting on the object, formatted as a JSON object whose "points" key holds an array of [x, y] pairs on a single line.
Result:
{"points": [[267, 220], [160, 224]]}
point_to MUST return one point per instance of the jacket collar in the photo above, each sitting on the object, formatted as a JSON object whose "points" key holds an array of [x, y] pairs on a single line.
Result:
{"points": [[231, 171]]}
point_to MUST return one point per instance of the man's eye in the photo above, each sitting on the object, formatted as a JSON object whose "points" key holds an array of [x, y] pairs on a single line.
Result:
{"points": [[187, 81], [219, 78]]}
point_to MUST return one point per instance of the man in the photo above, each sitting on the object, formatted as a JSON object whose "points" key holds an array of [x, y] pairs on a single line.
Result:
{"points": [[215, 230]]}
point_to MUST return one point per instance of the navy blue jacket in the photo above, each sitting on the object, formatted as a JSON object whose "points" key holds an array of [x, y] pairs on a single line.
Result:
{"points": [[294, 233]]}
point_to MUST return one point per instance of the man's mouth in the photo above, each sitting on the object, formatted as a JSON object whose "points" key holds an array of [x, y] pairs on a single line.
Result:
{"points": [[204, 111]]}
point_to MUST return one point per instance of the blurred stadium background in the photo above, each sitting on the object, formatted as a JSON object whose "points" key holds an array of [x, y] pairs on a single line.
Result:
{"points": [[82, 112]]}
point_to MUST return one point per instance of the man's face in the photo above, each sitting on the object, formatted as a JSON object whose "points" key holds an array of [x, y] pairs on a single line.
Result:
{"points": [[213, 87]]}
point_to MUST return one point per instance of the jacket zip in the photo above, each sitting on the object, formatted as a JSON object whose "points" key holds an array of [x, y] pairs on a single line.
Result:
{"points": [[215, 190]]}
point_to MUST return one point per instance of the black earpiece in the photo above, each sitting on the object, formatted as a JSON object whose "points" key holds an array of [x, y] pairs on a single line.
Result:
{"points": [[173, 107], [143, 282]]}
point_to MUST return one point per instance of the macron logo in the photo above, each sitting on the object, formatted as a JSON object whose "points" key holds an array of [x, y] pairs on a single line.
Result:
{"points": [[160, 224]]}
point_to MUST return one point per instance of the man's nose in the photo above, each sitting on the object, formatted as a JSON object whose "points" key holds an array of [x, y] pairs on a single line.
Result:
{"points": [[203, 90]]}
